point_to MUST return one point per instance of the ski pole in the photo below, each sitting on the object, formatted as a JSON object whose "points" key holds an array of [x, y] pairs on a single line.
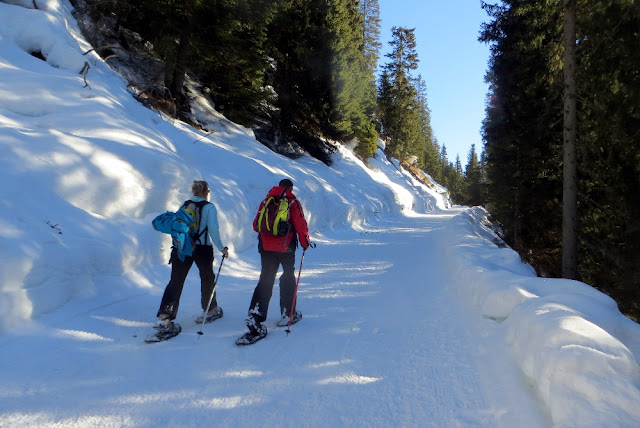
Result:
{"points": [[204, 314], [295, 292]]}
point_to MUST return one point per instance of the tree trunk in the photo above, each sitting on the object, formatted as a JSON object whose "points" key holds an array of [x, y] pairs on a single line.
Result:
{"points": [[570, 177], [175, 72]]}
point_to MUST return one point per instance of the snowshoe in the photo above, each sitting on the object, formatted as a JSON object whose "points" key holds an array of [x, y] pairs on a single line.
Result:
{"points": [[249, 338], [284, 321], [212, 315], [164, 332], [256, 332]]}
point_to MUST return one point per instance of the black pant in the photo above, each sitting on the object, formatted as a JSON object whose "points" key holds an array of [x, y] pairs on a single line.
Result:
{"points": [[271, 261], [203, 256]]}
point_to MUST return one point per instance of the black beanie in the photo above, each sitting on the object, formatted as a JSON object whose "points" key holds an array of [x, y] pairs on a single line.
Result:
{"points": [[286, 183]]}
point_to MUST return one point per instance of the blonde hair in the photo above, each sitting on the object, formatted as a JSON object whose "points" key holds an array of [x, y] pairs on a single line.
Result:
{"points": [[200, 188]]}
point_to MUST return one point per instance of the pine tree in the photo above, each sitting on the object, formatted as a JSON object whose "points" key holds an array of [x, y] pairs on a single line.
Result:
{"points": [[444, 164], [474, 194], [385, 101], [352, 102], [232, 48], [370, 11], [401, 121], [454, 180], [423, 146], [432, 164]]}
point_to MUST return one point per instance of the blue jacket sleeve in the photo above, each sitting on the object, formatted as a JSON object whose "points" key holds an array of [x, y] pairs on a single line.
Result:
{"points": [[213, 226]]}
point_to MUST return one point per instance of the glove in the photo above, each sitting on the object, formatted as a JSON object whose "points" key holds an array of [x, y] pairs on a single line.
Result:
{"points": [[306, 243], [225, 252]]}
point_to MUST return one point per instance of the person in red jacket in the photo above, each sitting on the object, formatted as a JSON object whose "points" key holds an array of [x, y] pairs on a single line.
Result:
{"points": [[276, 251]]}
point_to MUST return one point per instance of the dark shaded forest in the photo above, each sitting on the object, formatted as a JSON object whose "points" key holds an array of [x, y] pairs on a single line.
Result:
{"points": [[523, 133]]}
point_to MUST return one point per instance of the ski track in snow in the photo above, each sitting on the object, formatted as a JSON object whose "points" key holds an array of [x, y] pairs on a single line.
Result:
{"points": [[380, 344]]}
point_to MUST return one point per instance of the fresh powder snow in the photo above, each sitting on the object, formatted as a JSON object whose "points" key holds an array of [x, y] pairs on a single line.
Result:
{"points": [[414, 312]]}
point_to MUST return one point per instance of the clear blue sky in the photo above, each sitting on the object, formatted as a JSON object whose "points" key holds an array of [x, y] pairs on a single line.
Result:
{"points": [[452, 63]]}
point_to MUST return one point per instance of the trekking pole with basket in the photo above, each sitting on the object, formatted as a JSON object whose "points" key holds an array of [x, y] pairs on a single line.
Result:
{"points": [[204, 314], [295, 292]]}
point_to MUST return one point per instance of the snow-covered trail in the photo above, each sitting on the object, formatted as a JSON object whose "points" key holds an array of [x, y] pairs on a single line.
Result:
{"points": [[383, 342]]}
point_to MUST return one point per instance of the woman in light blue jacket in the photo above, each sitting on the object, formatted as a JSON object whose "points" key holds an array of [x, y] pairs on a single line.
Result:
{"points": [[208, 234]]}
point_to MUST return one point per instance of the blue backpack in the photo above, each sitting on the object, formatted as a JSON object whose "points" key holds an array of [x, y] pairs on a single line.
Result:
{"points": [[183, 226]]}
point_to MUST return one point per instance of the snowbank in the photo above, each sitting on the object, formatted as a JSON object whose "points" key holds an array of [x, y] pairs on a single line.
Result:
{"points": [[569, 339]]}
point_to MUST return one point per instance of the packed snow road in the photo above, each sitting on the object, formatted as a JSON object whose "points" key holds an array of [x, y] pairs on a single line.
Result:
{"points": [[383, 342]]}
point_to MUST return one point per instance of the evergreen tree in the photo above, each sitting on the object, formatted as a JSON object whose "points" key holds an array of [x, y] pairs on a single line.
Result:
{"points": [[474, 194], [232, 48], [423, 146], [431, 163], [401, 121], [353, 100], [385, 101], [454, 181], [370, 11], [444, 165]]}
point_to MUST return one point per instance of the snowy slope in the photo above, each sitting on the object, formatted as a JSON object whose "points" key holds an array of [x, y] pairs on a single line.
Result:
{"points": [[412, 315]]}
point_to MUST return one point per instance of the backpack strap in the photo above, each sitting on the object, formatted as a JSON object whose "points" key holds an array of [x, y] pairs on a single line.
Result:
{"points": [[263, 211], [205, 231], [198, 211]]}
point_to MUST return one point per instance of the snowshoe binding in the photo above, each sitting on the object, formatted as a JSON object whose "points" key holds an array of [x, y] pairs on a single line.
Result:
{"points": [[166, 329], [256, 332], [284, 321], [212, 315]]}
